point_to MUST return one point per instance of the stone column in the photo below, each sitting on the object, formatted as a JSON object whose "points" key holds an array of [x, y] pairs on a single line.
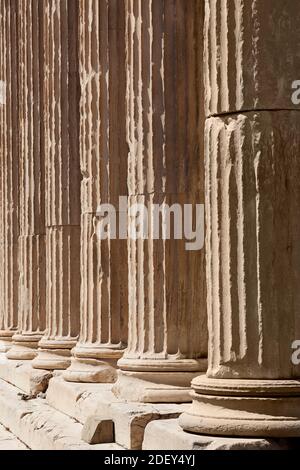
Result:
{"points": [[104, 302], [8, 175], [252, 148], [61, 97], [31, 242], [167, 314]]}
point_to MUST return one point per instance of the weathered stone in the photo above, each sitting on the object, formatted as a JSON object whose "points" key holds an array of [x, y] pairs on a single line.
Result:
{"points": [[41, 427], [251, 55], [9, 442], [62, 184], [9, 167], [103, 152], [130, 419], [97, 430], [252, 168], [168, 435], [31, 251], [22, 375], [167, 321]]}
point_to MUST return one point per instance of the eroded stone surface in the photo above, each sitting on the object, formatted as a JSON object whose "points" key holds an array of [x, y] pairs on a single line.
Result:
{"points": [[250, 55], [167, 325], [59, 44], [9, 442], [9, 168], [39, 426], [168, 435], [22, 375], [97, 430], [252, 195], [103, 155], [31, 184], [130, 419]]}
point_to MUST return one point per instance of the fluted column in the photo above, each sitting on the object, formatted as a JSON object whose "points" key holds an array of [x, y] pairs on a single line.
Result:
{"points": [[252, 388], [8, 175], [31, 241], [61, 97], [167, 314], [103, 149]]}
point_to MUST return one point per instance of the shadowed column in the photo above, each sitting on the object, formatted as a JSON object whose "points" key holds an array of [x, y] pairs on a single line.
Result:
{"points": [[167, 315], [31, 242], [103, 149], [61, 97], [9, 181]]}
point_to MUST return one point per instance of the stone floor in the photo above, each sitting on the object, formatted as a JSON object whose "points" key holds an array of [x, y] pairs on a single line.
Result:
{"points": [[44, 422]]}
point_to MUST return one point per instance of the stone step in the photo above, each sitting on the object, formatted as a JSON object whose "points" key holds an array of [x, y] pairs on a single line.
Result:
{"points": [[80, 401], [9, 442], [39, 426], [168, 435]]}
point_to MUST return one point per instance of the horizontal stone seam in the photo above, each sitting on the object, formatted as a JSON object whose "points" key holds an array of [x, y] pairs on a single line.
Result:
{"points": [[254, 110], [62, 226]]}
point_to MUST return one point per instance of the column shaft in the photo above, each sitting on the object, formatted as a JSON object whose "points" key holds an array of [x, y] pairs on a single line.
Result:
{"points": [[61, 105], [252, 218], [104, 152], [167, 314], [8, 176], [31, 242]]}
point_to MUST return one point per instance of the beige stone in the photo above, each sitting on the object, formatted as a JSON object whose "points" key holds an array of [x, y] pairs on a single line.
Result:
{"points": [[252, 172], [8, 178], [103, 153], [31, 189], [82, 400], [9, 442], [62, 185], [252, 200], [97, 430], [251, 55], [167, 321], [168, 435], [79, 400], [104, 342], [22, 375], [39, 426]]}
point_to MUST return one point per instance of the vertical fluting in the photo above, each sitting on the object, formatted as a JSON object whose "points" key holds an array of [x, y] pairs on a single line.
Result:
{"points": [[62, 191], [103, 153], [9, 175], [31, 242], [252, 172], [252, 243], [167, 313]]}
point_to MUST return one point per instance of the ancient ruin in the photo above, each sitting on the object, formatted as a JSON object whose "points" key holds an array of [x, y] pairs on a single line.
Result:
{"points": [[123, 340]]}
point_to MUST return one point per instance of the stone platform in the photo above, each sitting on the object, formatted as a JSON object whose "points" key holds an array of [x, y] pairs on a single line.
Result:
{"points": [[23, 376], [168, 435], [9, 442], [80, 401], [60, 418], [39, 426]]}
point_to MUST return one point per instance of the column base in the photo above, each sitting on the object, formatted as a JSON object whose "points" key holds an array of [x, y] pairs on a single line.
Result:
{"points": [[53, 354], [157, 381], [24, 347], [249, 408], [6, 340], [93, 365]]}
